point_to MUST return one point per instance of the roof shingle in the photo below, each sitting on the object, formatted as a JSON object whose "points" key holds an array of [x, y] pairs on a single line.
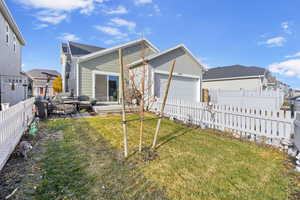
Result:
{"points": [[233, 71], [78, 49], [37, 73]]}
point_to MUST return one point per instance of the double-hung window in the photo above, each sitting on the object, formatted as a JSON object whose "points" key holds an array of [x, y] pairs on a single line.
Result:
{"points": [[15, 43], [7, 34]]}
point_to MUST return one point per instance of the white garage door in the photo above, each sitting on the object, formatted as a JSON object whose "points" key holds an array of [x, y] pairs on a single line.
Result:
{"points": [[184, 88]]}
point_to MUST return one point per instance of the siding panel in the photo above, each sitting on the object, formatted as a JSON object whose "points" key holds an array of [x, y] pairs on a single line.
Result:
{"points": [[235, 84], [108, 63], [184, 63]]}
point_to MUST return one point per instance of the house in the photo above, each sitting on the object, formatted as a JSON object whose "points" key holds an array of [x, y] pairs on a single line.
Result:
{"points": [[237, 77], [70, 53], [186, 82], [39, 78], [96, 74], [11, 42]]}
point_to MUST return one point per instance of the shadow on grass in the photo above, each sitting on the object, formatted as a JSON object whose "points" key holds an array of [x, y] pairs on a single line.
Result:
{"points": [[181, 131], [83, 165]]}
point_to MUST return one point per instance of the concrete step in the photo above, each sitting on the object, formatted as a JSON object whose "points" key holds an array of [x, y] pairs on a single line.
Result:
{"points": [[107, 109]]}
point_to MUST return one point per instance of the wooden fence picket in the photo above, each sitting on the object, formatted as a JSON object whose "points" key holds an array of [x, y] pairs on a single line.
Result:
{"points": [[13, 123], [258, 124]]}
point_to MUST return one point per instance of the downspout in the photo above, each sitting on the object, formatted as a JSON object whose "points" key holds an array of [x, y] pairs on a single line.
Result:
{"points": [[77, 76]]}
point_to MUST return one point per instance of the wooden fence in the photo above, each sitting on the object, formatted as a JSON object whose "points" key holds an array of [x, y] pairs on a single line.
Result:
{"points": [[269, 126], [13, 123]]}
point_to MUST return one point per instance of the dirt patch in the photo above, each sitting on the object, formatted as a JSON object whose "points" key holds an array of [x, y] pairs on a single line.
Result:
{"points": [[17, 168]]}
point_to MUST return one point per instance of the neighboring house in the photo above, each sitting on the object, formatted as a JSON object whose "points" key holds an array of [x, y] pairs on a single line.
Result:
{"points": [[274, 84], [39, 82], [97, 74], [11, 42], [239, 77]]}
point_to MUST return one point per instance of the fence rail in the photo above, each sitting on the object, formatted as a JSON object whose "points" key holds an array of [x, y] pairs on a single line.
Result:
{"points": [[13, 123], [258, 99], [270, 126]]}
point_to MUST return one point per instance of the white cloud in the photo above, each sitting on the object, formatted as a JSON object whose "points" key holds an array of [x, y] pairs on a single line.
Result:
{"points": [[286, 27], [40, 26], [294, 55], [52, 17], [61, 5], [122, 22], [55, 11], [119, 10], [156, 9], [112, 31], [114, 41], [275, 42], [68, 37], [286, 68], [142, 2]]}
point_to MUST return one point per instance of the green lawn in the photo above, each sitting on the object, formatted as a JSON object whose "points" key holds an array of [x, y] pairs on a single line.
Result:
{"points": [[191, 164]]}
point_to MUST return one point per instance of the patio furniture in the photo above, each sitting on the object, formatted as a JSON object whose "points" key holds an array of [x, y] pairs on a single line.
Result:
{"points": [[62, 107], [85, 103]]}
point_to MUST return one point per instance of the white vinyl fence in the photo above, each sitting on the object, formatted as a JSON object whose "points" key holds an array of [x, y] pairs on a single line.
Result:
{"points": [[270, 126], [13, 123], [267, 99]]}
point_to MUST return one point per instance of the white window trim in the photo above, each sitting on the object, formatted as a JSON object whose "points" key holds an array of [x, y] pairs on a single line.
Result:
{"points": [[97, 72]]}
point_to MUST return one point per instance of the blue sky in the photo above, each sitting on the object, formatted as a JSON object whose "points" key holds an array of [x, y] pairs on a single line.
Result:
{"points": [[255, 33]]}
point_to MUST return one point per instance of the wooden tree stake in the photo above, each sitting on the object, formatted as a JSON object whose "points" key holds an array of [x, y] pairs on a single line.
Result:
{"points": [[142, 106], [163, 105], [122, 82]]}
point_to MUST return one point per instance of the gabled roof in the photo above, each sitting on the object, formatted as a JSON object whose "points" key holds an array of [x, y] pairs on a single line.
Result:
{"points": [[78, 49], [151, 57], [234, 71], [109, 50], [10, 20], [37, 73]]}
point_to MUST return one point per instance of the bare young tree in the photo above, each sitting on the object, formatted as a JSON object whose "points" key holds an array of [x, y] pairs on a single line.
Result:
{"points": [[139, 90]]}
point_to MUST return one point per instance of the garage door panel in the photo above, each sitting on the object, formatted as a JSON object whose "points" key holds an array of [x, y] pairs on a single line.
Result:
{"points": [[181, 87]]}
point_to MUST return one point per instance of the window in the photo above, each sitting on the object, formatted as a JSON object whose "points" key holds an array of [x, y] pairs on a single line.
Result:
{"points": [[13, 86], [41, 91], [7, 34], [15, 44]]}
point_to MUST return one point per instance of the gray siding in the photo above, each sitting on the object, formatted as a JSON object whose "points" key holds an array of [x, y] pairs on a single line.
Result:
{"points": [[185, 64], [107, 63], [10, 66], [10, 61]]}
